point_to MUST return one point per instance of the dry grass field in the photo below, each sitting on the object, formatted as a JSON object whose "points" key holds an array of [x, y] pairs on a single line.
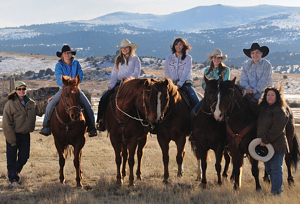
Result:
{"points": [[40, 183]]}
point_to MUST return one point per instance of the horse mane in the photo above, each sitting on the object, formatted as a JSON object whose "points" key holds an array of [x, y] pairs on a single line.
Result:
{"points": [[128, 86], [171, 86]]}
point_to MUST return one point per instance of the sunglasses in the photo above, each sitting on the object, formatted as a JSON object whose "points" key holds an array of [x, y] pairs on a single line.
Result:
{"points": [[21, 89]]}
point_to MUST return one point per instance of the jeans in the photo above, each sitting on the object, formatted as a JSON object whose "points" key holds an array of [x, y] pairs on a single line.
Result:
{"points": [[83, 99], [192, 94], [17, 155], [257, 95], [103, 104], [273, 168]]}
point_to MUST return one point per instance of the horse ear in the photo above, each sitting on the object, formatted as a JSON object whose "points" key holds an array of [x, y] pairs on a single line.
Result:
{"points": [[77, 79], [64, 79], [147, 83], [233, 81]]}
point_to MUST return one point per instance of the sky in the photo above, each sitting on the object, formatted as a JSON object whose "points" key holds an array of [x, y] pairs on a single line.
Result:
{"points": [[27, 12]]}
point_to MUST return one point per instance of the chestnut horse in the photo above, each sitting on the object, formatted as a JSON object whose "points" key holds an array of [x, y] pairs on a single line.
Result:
{"points": [[170, 113], [68, 126], [209, 133], [241, 130], [126, 129]]}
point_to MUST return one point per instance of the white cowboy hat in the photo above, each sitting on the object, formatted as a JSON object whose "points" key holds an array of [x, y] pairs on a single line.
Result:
{"points": [[126, 43], [260, 153], [216, 53]]}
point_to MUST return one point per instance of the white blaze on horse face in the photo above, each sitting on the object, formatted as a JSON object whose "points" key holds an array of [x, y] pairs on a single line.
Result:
{"points": [[217, 112], [158, 110]]}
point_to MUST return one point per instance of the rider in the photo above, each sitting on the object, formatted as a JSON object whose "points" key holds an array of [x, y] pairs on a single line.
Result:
{"points": [[68, 66], [257, 73], [216, 70], [178, 67], [127, 65]]}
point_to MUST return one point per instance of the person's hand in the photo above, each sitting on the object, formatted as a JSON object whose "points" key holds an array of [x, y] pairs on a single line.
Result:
{"points": [[249, 90], [109, 88], [50, 99], [262, 144], [124, 78]]}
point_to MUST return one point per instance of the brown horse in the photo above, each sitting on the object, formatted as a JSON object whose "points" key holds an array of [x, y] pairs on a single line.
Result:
{"points": [[68, 126], [125, 127], [209, 133], [170, 113], [241, 131]]}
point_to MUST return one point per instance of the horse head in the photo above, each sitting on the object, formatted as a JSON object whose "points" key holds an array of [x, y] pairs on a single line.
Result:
{"points": [[70, 97], [211, 92], [156, 98], [225, 98]]}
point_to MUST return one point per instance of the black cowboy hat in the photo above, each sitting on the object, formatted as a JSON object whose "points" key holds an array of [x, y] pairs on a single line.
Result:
{"points": [[255, 46], [65, 48]]}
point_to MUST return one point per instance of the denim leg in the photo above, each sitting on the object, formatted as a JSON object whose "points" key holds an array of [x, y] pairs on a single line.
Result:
{"points": [[23, 143], [88, 107], [274, 168], [50, 106], [196, 108], [11, 156], [193, 96], [103, 104], [257, 95]]}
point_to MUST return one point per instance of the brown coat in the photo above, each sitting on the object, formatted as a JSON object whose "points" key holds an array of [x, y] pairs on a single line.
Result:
{"points": [[19, 119], [271, 124]]}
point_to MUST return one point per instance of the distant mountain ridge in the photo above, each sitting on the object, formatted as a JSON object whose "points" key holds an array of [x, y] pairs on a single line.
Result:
{"points": [[280, 32]]}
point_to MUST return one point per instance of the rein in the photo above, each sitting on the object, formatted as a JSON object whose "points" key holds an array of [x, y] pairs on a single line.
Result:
{"points": [[67, 125], [238, 136], [66, 106]]}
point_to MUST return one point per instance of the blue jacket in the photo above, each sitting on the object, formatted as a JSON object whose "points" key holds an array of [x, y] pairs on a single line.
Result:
{"points": [[62, 69]]}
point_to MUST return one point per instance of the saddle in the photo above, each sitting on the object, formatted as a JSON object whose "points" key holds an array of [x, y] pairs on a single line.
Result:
{"points": [[184, 94]]}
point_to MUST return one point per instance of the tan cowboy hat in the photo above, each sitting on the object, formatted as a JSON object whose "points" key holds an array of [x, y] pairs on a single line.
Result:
{"points": [[260, 153], [216, 53], [126, 43], [255, 46]]}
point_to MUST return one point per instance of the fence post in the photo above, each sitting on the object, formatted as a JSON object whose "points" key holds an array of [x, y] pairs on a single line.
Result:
{"points": [[11, 83]]}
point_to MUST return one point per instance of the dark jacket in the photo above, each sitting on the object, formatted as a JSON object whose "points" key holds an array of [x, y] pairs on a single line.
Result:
{"points": [[18, 118], [271, 124]]}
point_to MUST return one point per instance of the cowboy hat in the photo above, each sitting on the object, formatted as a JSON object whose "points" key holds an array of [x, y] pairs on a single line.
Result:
{"points": [[260, 153], [127, 43], [216, 53], [65, 48], [255, 46]]}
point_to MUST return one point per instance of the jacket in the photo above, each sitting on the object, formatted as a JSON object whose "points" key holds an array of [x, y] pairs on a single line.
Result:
{"points": [[179, 71], [132, 70], [62, 69], [18, 118], [271, 124]]}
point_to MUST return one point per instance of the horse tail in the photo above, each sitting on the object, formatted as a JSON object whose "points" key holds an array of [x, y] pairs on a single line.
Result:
{"points": [[295, 153], [194, 148]]}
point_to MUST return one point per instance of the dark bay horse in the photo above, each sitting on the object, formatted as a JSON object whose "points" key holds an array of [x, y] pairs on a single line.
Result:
{"points": [[241, 130], [68, 126], [209, 133], [125, 127], [170, 113]]}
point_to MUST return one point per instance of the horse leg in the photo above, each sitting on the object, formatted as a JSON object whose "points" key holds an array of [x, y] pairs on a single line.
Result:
{"points": [[237, 170], [164, 145], [199, 170], [227, 162], [77, 163], [118, 159], [266, 177], [140, 152], [289, 168], [180, 155], [132, 148], [204, 167], [61, 153], [125, 158], [255, 172], [218, 166]]}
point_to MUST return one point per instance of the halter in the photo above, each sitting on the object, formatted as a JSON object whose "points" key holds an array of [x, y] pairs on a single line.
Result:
{"points": [[66, 106]]}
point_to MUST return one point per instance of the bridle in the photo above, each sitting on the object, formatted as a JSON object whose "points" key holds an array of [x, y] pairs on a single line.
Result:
{"points": [[66, 106]]}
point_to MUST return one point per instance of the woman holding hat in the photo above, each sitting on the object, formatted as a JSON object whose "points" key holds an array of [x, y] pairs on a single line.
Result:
{"points": [[178, 67], [68, 66], [257, 73], [127, 65], [217, 68], [272, 118], [19, 115]]}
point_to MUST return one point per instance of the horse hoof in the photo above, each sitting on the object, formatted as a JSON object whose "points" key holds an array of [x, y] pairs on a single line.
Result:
{"points": [[290, 181], [119, 182], [166, 181], [139, 178], [79, 186], [258, 188], [203, 185], [266, 179]]}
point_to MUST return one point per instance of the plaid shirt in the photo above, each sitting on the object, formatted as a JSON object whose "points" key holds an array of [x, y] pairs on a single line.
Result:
{"points": [[257, 76]]}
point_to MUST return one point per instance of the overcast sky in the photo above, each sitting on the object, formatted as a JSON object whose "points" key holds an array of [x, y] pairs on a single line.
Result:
{"points": [[27, 12]]}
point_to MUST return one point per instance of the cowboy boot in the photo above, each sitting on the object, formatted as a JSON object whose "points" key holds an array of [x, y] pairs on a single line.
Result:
{"points": [[101, 126]]}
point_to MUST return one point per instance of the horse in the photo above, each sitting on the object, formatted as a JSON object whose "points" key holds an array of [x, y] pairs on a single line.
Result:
{"points": [[126, 128], [68, 126], [166, 109], [241, 130], [209, 133], [240, 126]]}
